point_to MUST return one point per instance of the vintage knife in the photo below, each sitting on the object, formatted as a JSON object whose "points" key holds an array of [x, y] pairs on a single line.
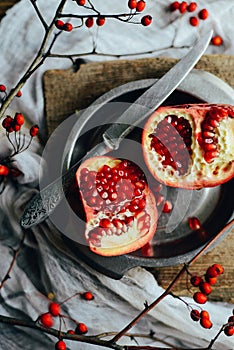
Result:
{"points": [[44, 203]]}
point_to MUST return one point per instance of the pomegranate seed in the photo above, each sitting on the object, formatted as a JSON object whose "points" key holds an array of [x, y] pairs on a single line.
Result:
{"points": [[194, 21], [88, 296], [59, 24], [200, 298], [146, 20], [219, 268], [205, 288], [60, 345], [80, 2], [194, 223], [19, 119], [140, 5], [46, 320], [167, 207], [89, 22], [206, 323], [81, 328], [105, 223], [183, 7], [210, 147], [100, 21], [54, 309], [217, 40], [192, 7], [4, 171], [2, 88], [174, 6], [229, 331], [195, 280], [210, 155], [211, 272], [203, 14], [195, 315]]}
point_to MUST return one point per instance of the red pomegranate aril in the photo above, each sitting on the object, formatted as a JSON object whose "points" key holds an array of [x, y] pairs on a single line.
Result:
{"points": [[194, 223], [210, 156], [210, 147], [167, 207], [106, 223], [212, 122]]}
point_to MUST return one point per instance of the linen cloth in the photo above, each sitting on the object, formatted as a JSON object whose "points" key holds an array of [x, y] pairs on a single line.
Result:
{"points": [[45, 263]]}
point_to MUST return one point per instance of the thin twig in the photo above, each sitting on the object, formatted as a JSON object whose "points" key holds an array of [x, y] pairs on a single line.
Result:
{"points": [[34, 4]]}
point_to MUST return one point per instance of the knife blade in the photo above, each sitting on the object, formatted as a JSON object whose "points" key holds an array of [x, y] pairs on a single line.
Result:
{"points": [[45, 202]]}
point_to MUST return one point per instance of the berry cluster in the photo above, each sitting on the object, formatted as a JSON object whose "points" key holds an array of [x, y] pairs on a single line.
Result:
{"points": [[205, 289], [139, 6], [194, 21], [54, 310], [3, 90]]}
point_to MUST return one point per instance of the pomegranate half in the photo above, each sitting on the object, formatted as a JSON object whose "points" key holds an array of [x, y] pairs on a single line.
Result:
{"points": [[190, 146], [121, 213]]}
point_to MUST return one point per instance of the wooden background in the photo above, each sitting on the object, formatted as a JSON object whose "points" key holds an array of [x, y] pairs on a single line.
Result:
{"points": [[76, 93]]}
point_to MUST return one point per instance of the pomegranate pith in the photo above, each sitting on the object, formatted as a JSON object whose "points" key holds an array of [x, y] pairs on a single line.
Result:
{"points": [[121, 214], [190, 146]]}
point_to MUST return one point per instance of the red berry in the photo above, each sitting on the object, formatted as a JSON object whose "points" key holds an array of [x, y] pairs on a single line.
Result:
{"points": [[59, 24], [46, 320], [200, 298], [192, 7], [34, 130], [10, 129], [194, 223], [80, 2], [211, 280], [195, 280], [132, 4], [205, 314], [211, 272], [206, 323], [195, 315], [140, 5], [194, 21], [19, 94], [203, 14], [231, 319], [167, 207], [89, 22], [54, 309], [146, 20], [4, 171], [183, 7], [2, 88], [70, 331], [229, 331], [219, 268], [81, 328], [16, 127], [88, 296], [68, 27], [217, 40], [100, 21], [19, 119], [60, 345], [205, 288], [174, 6], [7, 122]]}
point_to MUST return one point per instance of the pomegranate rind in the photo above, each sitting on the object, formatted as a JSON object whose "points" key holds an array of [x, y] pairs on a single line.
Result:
{"points": [[126, 244], [200, 173]]}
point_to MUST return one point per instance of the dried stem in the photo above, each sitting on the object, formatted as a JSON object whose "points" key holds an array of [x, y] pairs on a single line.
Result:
{"points": [[16, 253]]}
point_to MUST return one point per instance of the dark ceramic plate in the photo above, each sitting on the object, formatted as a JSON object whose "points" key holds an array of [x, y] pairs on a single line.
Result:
{"points": [[174, 242]]}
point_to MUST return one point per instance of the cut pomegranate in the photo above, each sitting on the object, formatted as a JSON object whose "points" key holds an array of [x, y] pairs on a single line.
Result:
{"points": [[190, 146], [121, 214]]}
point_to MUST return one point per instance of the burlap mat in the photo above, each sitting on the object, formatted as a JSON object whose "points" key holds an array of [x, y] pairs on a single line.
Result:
{"points": [[66, 91]]}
